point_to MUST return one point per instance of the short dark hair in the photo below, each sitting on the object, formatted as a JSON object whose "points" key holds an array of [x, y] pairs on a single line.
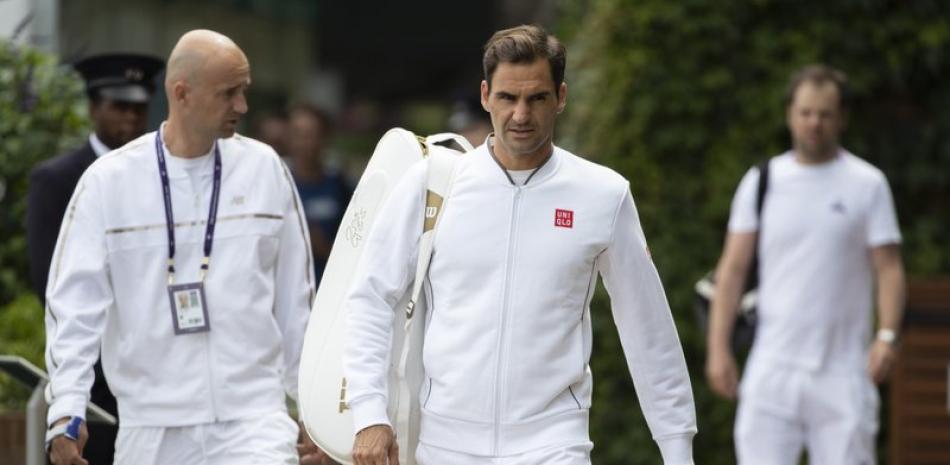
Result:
{"points": [[819, 74], [315, 112], [524, 44]]}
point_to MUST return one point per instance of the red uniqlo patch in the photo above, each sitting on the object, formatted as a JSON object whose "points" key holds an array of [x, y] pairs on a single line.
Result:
{"points": [[563, 218]]}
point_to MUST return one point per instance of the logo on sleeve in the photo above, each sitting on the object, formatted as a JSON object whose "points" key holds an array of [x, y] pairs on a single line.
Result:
{"points": [[564, 218]]}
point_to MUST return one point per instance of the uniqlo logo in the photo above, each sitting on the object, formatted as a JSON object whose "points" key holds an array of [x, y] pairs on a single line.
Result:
{"points": [[564, 218]]}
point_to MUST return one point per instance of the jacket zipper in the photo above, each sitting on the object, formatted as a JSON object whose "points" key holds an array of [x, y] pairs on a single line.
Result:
{"points": [[214, 407], [499, 374]]}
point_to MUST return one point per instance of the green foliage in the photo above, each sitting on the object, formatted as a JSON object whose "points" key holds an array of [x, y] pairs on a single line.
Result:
{"points": [[42, 112], [683, 97], [21, 333]]}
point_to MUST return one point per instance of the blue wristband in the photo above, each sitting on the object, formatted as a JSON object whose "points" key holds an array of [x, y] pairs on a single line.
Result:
{"points": [[70, 430]]}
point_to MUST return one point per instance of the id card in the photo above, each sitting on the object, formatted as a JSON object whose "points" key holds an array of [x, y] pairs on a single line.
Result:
{"points": [[189, 311]]}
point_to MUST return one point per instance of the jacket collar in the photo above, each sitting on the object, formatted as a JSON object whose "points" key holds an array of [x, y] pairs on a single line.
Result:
{"points": [[176, 165], [543, 172], [98, 147]]}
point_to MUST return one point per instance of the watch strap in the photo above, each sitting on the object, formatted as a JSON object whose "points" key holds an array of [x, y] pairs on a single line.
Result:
{"points": [[887, 335]]}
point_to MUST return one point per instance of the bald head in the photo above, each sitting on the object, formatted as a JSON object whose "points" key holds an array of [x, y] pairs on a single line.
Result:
{"points": [[205, 81], [196, 51]]}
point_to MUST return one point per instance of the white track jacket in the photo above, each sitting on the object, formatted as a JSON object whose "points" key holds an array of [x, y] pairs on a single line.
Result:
{"points": [[508, 334], [107, 288]]}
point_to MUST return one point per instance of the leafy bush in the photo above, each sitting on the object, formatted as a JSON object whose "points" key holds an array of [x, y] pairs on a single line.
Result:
{"points": [[682, 97], [42, 112], [21, 333]]}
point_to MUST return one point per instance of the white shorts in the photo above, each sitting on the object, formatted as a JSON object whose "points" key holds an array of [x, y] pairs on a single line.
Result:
{"points": [[577, 454], [269, 439], [783, 410]]}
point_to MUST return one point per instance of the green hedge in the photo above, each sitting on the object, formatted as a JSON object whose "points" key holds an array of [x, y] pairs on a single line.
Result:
{"points": [[42, 112], [21, 333], [683, 96]]}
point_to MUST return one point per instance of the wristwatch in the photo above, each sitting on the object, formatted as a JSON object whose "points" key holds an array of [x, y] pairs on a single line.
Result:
{"points": [[887, 335], [70, 429]]}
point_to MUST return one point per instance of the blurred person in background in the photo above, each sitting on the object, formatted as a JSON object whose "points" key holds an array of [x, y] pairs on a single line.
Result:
{"points": [[829, 232], [271, 129], [200, 348], [324, 189], [119, 88], [469, 123]]}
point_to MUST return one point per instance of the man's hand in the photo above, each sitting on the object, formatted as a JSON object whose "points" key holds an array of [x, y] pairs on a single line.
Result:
{"points": [[880, 360], [731, 274], [375, 445], [309, 453], [65, 451], [722, 373]]}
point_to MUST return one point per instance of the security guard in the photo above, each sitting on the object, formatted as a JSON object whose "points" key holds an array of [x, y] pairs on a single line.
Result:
{"points": [[119, 87]]}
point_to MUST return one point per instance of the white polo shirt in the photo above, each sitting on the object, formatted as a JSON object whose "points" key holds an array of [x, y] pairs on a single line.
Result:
{"points": [[819, 223]]}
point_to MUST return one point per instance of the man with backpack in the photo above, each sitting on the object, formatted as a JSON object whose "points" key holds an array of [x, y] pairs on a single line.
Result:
{"points": [[827, 227]]}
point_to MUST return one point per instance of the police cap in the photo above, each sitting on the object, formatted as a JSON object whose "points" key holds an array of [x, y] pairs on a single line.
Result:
{"points": [[123, 77]]}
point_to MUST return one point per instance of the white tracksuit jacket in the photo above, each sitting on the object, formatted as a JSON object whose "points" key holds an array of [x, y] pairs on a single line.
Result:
{"points": [[107, 288], [508, 337]]}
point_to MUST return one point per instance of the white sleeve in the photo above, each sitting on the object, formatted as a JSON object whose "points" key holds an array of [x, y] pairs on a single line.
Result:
{"points": [[78, 294], [882, 228], [742, 217], [648, 337], [383, 276], [294, 285]]}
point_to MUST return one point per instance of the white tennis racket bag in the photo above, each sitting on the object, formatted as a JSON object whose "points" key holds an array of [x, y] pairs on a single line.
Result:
{"points": [[322, 387]]}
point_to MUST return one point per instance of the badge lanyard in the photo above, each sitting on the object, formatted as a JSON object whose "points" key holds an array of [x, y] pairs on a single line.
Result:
{"points": [[170, 217], [187, 301]]}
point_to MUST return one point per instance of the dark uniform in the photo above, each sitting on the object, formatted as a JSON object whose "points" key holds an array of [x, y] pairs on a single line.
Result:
{"points": [[122, 78]]}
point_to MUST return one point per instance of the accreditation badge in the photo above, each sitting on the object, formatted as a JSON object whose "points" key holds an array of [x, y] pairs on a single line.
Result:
{"points": [[189, 311]]}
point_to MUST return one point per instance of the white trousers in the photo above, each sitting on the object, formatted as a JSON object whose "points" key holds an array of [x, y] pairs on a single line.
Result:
{"points": [[577, 454], [269, 439], [783, 410]]}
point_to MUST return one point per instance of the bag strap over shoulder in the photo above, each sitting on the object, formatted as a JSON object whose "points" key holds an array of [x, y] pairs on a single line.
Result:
{"points": [[439, 177], [441, 173], [763, 188]]}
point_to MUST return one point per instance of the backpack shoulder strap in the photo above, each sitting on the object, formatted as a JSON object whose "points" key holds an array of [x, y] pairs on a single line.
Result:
{"points": [[763, 187], [752, 279]]}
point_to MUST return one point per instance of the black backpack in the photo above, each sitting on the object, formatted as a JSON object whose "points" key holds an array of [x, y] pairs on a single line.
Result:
{"points": [[743, 332]]}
